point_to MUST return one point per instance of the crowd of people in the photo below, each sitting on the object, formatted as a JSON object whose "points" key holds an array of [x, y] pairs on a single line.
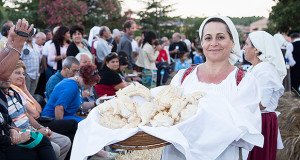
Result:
{"points": [[51, 80]]}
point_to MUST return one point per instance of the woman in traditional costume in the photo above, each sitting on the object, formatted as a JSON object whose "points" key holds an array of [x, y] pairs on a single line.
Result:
{"points": [[269, 69], [218, 131]]}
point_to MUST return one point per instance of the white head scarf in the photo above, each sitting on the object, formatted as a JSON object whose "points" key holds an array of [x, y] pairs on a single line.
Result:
{"points": [[271, 52], [281, 41], [236, 53], [93, 32]]}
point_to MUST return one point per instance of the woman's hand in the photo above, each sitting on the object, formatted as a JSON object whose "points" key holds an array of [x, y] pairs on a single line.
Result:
{"points": [[85, 94], [14, 136], [23, 86]]}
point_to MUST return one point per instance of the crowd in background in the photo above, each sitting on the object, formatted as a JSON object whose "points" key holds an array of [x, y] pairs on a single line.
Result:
{"points": [[71, 71]]}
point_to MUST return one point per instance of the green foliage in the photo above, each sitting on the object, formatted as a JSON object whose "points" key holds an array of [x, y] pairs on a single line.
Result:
{"points": [[155, 17], [285, 16]]}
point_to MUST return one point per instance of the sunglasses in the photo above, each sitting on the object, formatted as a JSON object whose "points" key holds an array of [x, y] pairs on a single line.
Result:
{"points": [[112, 54]]}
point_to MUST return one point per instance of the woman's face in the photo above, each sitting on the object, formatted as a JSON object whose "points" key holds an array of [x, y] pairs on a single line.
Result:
{"points": [[216, 42], [123, 67], [251, 52], [17, 77], [113, 64], [67, 36], [77, 37]]}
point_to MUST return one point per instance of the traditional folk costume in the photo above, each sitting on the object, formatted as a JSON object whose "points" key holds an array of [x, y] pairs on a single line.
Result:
{"points": [[220, 130], [269, 74]]}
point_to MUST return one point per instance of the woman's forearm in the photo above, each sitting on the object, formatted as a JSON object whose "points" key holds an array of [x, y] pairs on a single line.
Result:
{"points": [[59, 112]]}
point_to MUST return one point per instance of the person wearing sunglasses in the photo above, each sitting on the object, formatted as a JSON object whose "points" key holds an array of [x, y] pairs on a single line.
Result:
{"points": [[110, 80], [66, 98]]}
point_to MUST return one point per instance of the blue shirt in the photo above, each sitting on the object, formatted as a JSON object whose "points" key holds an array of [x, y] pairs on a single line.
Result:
{"points": [[198, 59], [52, 82], [67, 94], [179, 65]]}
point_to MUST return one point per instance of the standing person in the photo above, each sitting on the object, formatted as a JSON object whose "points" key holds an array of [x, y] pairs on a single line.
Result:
{"points": [[147, 58], [40, 41], [30, 55], [125, 42], [269, 69], [186, 41], [110, 80], [59, 46], [177, 46], [166, 44], [10, 55], [116, 36], [194, 48], [220, 79], [4, 32], [77, 45], [295, 70], [47, 64], [102, 47]]}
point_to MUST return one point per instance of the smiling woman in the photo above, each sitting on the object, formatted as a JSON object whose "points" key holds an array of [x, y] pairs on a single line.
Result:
{"points": [[218, 76]]}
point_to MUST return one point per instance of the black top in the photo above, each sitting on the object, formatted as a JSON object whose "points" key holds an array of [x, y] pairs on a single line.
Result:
{"points": [[109, 77], [115, 46], [181, 46], [73, 49], [296, 54], [5, 141]]}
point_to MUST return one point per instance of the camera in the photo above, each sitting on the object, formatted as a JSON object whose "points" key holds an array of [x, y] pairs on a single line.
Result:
{"points": [[23, 34]]}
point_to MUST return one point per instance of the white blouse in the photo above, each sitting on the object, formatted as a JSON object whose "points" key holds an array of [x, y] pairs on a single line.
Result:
{"points": [[244, 115], [271, 87]]}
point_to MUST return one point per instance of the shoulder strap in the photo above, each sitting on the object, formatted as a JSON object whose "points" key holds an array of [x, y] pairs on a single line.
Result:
{"points": [[239, 76], [187, 72]]}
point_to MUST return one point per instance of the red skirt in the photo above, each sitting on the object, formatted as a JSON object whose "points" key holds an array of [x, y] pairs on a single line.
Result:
{"points": [[270, 132]]}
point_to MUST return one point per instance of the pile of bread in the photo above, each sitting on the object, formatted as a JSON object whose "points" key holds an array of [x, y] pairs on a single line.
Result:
{"points": [[167, 108]]}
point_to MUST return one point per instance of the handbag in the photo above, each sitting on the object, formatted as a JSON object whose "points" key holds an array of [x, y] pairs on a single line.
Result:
{"points": [[35, 139]]}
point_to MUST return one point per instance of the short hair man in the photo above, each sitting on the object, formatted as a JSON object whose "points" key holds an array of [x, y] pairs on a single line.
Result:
{"points": [[177, 46], [30, 55], [102, 48], [295, 70], [84, 58], [48, 34], [125, 42], [70, 68]]}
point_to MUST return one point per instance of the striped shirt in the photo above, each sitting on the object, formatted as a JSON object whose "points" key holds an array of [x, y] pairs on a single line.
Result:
{"points": [[16, 111]]}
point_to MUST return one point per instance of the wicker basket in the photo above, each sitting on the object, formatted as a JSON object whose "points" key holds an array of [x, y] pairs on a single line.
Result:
{"points": [[140, 141]]}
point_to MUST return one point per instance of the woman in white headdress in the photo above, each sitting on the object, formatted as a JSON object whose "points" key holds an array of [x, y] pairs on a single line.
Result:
{"points": [[268, 66], [219, 131], [285, 45]]}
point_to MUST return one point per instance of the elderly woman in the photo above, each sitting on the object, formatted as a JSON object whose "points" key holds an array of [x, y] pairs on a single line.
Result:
{"points": [[146, 60], [219, 130], [268, 67], [110, 80], [67, 98], [77, 45], [65, 127], [58, 47]]}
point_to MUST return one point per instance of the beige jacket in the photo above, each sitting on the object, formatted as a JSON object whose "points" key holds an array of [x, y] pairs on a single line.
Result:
{"points": [[147, 57]]}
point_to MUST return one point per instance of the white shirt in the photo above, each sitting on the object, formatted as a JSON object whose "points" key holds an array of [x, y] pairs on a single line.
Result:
{"points": [[289, 55], [208, 141], [135, 46], [45, 52]]}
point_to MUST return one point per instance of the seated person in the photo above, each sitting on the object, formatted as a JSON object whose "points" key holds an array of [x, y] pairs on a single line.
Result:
{"points": [[70, 68], [22, 120], [67, 95], [110, 80], [199, 56], [65, 127], [182, 63], [10, 138]]}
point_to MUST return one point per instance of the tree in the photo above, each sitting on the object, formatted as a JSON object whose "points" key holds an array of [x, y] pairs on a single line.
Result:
{"points": [[155, 16], [285, 16], [62, 12]]}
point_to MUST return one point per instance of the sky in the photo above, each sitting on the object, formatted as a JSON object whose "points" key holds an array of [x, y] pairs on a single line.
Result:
{"points": [[204, 8]]}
